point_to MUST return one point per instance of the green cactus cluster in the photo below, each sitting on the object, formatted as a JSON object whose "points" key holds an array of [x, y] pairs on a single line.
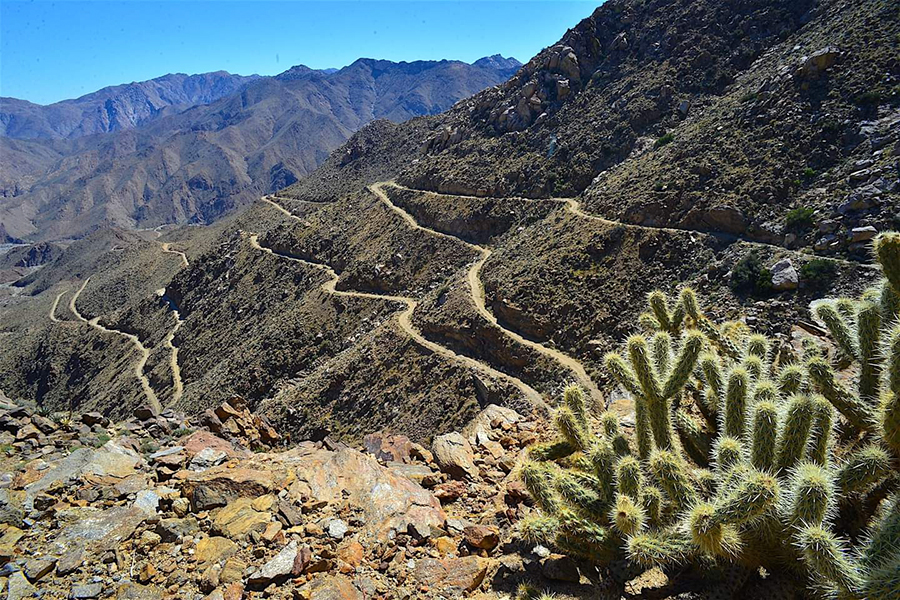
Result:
{"points": [[743, 453]]}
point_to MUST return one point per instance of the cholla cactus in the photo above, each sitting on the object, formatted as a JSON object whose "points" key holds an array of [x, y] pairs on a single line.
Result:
{"points": [[773, 488]]}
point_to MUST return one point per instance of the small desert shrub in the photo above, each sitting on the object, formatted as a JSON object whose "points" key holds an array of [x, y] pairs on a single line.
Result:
{"points": [[662, 141], [818, 272], [750, 276], [102, 438], [800, 218]]}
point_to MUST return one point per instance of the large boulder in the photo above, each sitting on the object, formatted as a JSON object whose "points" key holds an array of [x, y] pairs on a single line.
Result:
{"points": [[453, 576], [454, 456]]}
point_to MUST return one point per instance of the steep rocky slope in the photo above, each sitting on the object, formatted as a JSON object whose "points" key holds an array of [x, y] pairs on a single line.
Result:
{"points": [[197, 163], [334, 306]]}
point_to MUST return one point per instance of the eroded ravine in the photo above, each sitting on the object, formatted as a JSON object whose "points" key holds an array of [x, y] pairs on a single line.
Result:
{"points": [[404, 320], [476, 291], [144, 353]]}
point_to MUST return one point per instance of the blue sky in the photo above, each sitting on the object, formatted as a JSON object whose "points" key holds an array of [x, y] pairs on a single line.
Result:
{"points": [[50, 51]]}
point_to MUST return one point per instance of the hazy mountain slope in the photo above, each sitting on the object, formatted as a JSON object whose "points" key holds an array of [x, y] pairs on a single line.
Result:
{"points": [[114, 108], [196, 165]]}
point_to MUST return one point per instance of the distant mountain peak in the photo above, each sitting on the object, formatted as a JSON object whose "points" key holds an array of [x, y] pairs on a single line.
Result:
{"points": [[497, 61]]}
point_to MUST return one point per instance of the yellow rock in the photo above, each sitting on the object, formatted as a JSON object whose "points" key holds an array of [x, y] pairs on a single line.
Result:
{"points": [[239, 518], [214, 549]]}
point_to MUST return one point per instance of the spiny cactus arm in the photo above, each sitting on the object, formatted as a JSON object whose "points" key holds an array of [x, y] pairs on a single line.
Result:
{"points": [[648, 322], [790, 380], [820, 434], [678, 316], [573, 398], [887, 252], [858, 413], [626, 515], [695, 441], [587, 539], [869, 335], [826, 557], [889, 300], [610, 423], [758, 346], [891, 353], [795, 433], [712, 372], [639, 353], [551, 451], [736, 402], [642, 435], [725, 345], [765, 391], [706, 483], [662, 352], [629, 477], [658, 548], [889, 419], [826, 312], [754, 365], [884, 536], [571, 429], [659, 304], [810, 497], [652, 501], [602, 458], [728, 452], [811, 349], [579, 490], [883, 581], [863, 469], [539, 480], [765, 435], [671, 473], [684, 365], [710, 536], [622, 374], [539, 529]]}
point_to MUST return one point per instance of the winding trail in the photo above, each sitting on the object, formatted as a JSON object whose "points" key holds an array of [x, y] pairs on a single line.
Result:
{"points": [[177, 382], [404, 320], [166, 248], [55, 304], [145, 354], [476, 290]]}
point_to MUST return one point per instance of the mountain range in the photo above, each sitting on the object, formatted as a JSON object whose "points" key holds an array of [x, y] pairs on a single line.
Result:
{"points": [[189, 149]]}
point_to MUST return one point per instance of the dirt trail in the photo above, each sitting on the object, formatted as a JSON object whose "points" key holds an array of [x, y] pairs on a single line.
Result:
{"points": [[55, 304], [177, 383], [573, 206], [404, 320], [145, 354], [166, 248], [476, 290]]}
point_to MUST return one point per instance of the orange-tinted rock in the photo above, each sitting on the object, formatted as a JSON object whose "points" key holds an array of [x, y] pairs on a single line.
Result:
{"points": [[453, 576]]}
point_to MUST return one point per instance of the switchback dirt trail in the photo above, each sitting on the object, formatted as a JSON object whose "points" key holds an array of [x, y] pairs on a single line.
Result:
{"points": [[404, 320], [177, 383], [573, 206], [145, 354], [55, 304], [476, 290]]}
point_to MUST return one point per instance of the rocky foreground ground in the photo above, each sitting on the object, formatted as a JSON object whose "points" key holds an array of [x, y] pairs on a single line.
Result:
{"points": [[218, 508]]}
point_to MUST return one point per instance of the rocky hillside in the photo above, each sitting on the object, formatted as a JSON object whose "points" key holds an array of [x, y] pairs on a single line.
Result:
{"points": [[197, 163], [345, 303], [115, 108]]}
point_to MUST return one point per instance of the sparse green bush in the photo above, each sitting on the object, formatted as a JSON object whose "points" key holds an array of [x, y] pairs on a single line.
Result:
{"points": [[768, 491], [750, 276], [181, 432], [800, 218], [102, 438], [148, 446], [818, 272], [809, 173], [665, 139]]}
